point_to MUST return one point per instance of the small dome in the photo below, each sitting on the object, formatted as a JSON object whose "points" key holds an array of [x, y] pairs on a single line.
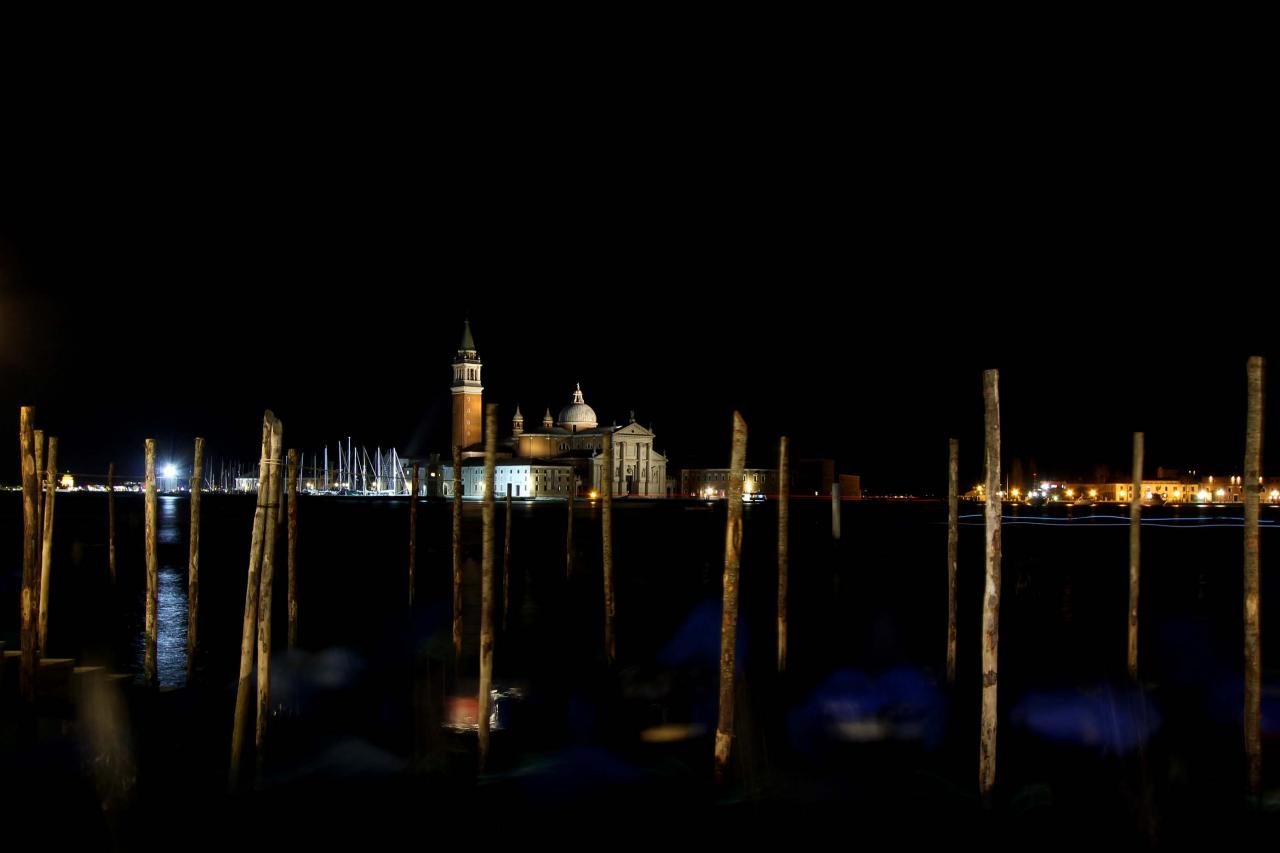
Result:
{"points": [[578, 414]]}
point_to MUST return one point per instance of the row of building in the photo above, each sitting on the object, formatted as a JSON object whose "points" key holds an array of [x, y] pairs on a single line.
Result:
{"points": [[1172, 490], [565, 454]]}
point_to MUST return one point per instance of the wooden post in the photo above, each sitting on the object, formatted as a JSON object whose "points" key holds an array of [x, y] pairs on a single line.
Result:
{"points": [[729, 615], [413, 532], [1135, 545], [293, 549], [568, 534], [486, 579], [153, 569], [953, 545], [506, 562], [1252, 591], [193, 561], [111, 521], [250, 606], [30, 562], [457, 553], [267, 581], [46, 550], [40, 501], [784, 512], [991, 598], [835, 510], [606, 523]]}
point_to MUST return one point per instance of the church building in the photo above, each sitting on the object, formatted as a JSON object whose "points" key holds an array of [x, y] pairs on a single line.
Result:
{"points": [[560, 454]]}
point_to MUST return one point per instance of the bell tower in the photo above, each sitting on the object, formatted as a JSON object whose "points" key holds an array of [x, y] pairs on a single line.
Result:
{"points": [[467, 392]]}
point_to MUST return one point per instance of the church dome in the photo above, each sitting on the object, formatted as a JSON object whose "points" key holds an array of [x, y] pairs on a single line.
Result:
{"points": [[578, 415]]}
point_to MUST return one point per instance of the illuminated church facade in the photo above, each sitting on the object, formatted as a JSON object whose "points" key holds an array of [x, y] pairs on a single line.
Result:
{"points": [[558, 455]]}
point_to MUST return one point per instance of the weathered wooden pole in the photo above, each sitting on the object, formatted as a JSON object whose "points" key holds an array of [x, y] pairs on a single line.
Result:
{"points": [[835, 510], [568, 534], [274, 479], [153, 569], [606, 524], [784, 523], [1135, 547], [953, 545], [991, 598], [729, 615], [250, 623], [293, 549], [1252, 590], [193, 561], [30, 549], [457, 553], [46, 550], [486, 581], [111, 521], [506, 562], [413, 533], [40, 484]]}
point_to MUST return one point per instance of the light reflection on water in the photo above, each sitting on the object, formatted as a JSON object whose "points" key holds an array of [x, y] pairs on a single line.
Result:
{"points": [[171, 645], [168, 530]]}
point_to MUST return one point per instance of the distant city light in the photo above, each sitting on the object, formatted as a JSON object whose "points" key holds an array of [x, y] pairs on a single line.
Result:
{"points": [[170, 470]]}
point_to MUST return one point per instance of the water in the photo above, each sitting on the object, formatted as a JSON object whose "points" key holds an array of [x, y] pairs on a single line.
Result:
{"points": [[862, 714]]}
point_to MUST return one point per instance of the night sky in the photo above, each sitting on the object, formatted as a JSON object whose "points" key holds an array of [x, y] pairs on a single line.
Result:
{"points": [[840, 271]]}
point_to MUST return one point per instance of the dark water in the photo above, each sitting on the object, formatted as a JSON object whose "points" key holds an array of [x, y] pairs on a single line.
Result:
{"points": [[863, 719]]}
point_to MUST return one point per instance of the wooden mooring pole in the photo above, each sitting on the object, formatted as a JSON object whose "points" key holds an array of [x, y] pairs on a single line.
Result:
{"points": [[250, 623], [193, 561], [729, 613], [267, 581], [111, 521], [457, 553], [953, 545], [486, 580], [784, 498], [153, 569], [46, 550], [293, 549], [991, 596], [1252, 589], [568, 534], [413, 533], [506, 562], [1135, 552], [40, 500], [606, 538], [835, 510], [30, 549]]}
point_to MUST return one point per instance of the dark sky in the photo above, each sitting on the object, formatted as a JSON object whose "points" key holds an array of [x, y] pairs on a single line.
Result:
{"points": [[839, 259]]}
